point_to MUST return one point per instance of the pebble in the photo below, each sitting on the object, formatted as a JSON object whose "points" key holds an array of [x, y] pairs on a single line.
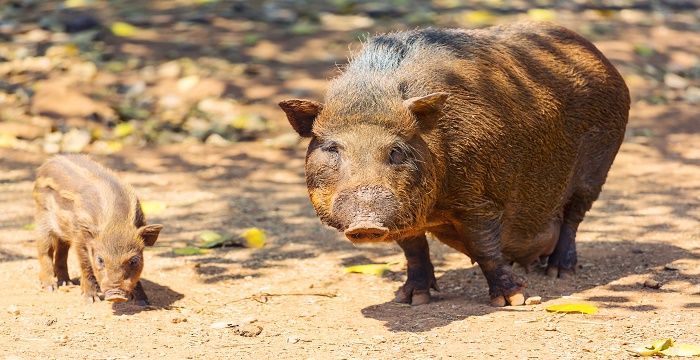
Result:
{"points": [[12, 309], [293, 339], [674, 81], [177, 320], [652, 284], [533, 300]]}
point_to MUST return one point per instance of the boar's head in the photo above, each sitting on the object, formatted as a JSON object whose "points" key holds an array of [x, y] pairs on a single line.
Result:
{"points": [[369, 170], [116, 257]]}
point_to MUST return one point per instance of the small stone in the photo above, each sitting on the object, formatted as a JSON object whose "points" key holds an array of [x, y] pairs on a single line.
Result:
{"points": [[50, 321], [533, 300], [170, 69], [674, 81], [222, 325], [249, 330], [275, 14], [177, 320], [217, 140], [671, 267], [12, 309], [75, 140], [293, 339], [652, 284], [692, 95]]}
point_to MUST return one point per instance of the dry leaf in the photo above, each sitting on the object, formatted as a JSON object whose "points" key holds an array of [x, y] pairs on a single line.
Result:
{"points": [[667, 347], [369, 269], [124, 29], [254, 237], [123, 129], [573, 308], [188, 250], [152, 207]]}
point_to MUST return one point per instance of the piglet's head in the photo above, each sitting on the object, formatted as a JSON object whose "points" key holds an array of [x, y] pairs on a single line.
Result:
{"points": [[116, 256]]}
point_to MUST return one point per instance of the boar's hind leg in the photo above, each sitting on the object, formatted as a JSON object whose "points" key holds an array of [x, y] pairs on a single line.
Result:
{"points": [[140, 295], [46, 245], [562, 262], [416, 290], [60, 262]]}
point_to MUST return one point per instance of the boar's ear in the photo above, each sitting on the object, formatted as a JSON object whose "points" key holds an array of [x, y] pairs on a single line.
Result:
{"points": [[149, 233], [427, 108], [301, 114]]}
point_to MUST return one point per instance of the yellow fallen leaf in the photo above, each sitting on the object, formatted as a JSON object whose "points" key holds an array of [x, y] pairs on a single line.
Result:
{"points": [[655, 348], [123, 29], [683, 350], [541, 14], [369, 269], [254, 237], [123, 129], [7, 140], [573, 308], [479, 17], [152, 207]]}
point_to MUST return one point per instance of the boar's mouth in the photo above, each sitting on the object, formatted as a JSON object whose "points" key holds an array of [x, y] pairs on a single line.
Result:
{"points": [[116, 295]]}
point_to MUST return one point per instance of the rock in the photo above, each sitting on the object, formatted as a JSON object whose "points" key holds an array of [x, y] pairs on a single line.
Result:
{"points": [[217, 109], [692, 95], [217, 140], [52, 141], [75, 140], [293, 339], [22, 130], [652, 284], [73, 22], [170, 69], [674, 81], [533, 300], [61, 99], [671, 267], [197, 127], [12, 309], [178, 319], [249, 330]]}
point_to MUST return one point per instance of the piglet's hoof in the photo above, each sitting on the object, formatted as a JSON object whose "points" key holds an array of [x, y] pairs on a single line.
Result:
{"points": [[91, 298], [517, 298]]}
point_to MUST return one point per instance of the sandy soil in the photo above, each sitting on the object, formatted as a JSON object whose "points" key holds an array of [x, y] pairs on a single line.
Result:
{"points": [[646, 225]]}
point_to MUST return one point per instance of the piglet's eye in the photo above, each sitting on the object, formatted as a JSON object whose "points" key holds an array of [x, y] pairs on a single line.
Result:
{"points": [[135, 261], [397, 156], [100, 262]]}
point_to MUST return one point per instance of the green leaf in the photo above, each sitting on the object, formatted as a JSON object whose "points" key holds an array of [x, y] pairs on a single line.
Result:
{"points": [[30, 226], [188, 250], [643, 50], [212, 239]]}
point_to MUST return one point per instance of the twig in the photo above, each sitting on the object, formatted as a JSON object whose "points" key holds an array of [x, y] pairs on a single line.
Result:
{"points": [[262, 297]]}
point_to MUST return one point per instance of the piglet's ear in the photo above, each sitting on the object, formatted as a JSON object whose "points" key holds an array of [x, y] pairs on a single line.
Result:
{"points": [[427, 109], [149, 233], [301, 114]]}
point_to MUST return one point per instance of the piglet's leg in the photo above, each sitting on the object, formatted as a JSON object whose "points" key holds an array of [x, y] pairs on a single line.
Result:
{"points": [[416, 290], [46, 245], [88, 282], [60, 262], [139, 295]]}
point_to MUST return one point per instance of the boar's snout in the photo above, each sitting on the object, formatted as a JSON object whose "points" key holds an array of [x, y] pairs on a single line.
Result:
{"points": [[366, 232], [116, 295], [366, 213]]}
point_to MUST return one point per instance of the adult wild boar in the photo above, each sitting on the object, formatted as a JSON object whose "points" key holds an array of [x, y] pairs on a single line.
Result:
{"points": [[495, 141], [84, 205]]}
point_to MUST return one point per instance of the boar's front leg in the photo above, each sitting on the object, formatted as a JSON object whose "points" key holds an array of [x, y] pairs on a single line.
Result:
{"points": [[483, 241], [46, 246], [416, 290]]}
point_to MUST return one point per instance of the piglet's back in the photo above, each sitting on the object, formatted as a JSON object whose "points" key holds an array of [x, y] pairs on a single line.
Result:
{"points": [[72, 189]]}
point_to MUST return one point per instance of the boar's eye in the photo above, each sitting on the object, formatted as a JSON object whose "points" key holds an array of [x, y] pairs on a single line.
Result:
{"points": [[330, 147], [135, 261], [397, 156], [100, 262]]}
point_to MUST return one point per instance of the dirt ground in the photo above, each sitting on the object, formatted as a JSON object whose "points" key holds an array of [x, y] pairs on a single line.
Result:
{"points": [[646, 225]]}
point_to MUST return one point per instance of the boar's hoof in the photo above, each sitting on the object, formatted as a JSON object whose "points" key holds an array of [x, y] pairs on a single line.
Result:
{"points": [[514, 299], [415, 297], [557, 272]]}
